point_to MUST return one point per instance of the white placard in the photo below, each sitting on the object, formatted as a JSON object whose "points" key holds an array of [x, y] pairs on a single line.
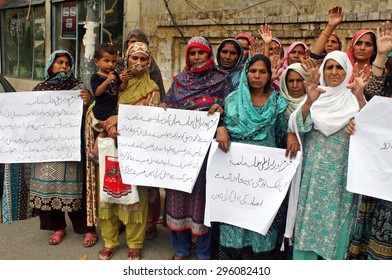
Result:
{"points": [[40, 126], [246, 185], [370, 154], [161, 148]]}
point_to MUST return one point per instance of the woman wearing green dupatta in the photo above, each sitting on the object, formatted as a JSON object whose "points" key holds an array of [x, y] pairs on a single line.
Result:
{"points": [[254, 114], [140, 90]]}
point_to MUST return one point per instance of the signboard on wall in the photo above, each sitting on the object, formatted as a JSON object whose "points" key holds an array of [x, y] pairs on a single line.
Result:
{"points": [[68, 20]]}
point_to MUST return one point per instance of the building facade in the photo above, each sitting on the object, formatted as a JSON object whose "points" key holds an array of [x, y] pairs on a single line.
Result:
{"points": [[31, 30]]}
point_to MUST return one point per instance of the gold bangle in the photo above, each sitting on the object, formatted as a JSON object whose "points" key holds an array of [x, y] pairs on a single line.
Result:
{"points": [[325, 34], [378, 67]]}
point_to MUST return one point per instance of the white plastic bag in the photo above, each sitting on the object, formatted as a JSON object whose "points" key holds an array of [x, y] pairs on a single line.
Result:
{"points": [[112, 189]]}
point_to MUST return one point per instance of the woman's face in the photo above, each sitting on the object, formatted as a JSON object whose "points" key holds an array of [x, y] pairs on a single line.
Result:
{"points": [[295, 84], [245, 46], [258, 75], [296, 54], [61, 64], [364, 48], [274, 48], [334, 73], [197, 56], [332, 44], [228, 56], [138, 57]]}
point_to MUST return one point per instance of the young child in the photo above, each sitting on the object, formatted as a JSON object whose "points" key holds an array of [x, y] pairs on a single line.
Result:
{"points": [[106, 84]]}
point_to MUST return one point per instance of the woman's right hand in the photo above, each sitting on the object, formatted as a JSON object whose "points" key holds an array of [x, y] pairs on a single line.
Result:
{"points": [[350, 128], [110, 125], [313, 91], [335, 16], [223, 138], [163, 105]]}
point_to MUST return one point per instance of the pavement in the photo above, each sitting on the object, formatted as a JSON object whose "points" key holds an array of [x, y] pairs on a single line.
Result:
{"points": [[23, 240]]}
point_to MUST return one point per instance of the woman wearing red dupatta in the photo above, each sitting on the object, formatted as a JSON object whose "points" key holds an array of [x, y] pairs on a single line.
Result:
{"points": [[197, 89]]}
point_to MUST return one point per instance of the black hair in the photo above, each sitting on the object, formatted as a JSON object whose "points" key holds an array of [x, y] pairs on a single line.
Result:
{"points": [[388, 64], [102, 48], [267, 62]]}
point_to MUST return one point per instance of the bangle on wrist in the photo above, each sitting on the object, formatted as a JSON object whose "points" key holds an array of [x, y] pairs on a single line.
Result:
{"points": [[378, 67], [325, 34]]}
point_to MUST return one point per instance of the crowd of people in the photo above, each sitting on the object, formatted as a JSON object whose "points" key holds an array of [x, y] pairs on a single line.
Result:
{"points": [[302, 99]]}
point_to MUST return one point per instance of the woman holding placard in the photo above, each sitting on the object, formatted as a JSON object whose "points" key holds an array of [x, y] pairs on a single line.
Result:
{"points": [[142, 91], [59, 187], [254, 114], [202, 87]]}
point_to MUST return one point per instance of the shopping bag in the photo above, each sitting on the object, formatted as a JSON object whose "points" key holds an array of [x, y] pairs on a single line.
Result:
{"points": [[112, 188]]}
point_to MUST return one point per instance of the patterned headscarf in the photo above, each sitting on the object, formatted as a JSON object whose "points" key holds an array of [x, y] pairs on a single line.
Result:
{"points": [[201, 86], [235, 72], [292, 101], [246, 36], [203, 44], [155, 72], [137, 47], [60, 75]]}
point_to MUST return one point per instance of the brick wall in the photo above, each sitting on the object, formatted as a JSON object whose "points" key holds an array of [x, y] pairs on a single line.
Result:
{"points": [[291, 21]]}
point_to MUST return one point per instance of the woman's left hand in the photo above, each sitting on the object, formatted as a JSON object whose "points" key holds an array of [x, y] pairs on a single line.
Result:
{"points": [[86, 96], [293, 145], [223, 138], [215, 108], [361, 80]]}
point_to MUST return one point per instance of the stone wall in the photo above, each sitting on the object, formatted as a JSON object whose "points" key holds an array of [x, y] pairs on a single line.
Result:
{"points": [[291, 21]]}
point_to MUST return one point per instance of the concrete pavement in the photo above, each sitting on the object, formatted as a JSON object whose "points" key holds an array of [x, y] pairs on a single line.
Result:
{"points": [[23, 240]]}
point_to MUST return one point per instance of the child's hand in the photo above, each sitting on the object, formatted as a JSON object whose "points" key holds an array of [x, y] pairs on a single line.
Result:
{"points": [[111, 77]]}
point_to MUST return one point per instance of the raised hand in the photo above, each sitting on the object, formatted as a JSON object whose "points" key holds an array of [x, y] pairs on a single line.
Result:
{"points": [[384, 38], [265, 33], [313, 91], [309, 63], [335, 16], [276, 64], [361, 80], [257, 47]]}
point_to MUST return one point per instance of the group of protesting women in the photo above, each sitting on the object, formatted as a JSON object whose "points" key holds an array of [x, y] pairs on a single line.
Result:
{"points": [[302, 99]]}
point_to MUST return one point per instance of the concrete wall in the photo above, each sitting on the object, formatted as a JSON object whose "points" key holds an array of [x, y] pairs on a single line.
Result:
{"points": [[291, 21]]}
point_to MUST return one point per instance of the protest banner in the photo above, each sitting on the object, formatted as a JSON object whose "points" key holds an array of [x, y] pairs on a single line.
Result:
{"points": [[40, 126], [163, 148], [246, 185], [370, 155]]}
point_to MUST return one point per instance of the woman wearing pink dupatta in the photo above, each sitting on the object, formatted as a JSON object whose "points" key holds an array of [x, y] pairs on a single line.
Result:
{"points": [[363, 49]]}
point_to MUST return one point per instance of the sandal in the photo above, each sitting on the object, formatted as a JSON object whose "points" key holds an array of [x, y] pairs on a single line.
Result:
{"points": [[90, 239], [56, 237], [106, 253], [93, 157], [175, 257], [150, 234], [134, 254]]}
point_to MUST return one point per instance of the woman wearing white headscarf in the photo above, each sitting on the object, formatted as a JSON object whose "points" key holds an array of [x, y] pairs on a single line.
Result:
{"points": [[326, 210]]}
